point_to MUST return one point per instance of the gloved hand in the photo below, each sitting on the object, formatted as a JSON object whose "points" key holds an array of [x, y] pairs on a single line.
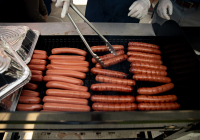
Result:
{"points": [[63, 4], [139, 9], [162, 9]]}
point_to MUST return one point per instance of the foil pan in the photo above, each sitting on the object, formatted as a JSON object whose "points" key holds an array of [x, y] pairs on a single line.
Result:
{"points": [[14, 73], [22, 39]]}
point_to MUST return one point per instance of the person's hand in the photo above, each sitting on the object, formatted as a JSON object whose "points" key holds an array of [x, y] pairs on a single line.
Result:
{"points": [[162, 9], [46, 17], [63, 4], [139, 9]]}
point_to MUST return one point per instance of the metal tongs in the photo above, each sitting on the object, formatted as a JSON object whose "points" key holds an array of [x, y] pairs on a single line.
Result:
{"points": [[96, 57]]}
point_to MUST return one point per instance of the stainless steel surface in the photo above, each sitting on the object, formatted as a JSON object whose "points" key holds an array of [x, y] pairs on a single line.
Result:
{"points": [[85, 42], [66, 28], [111, 49]]}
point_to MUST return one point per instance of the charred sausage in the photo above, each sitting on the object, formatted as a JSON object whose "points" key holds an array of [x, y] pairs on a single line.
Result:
{"points": [[156, 99], [151, 78], [104, 48], [143, 44], [36, 78], [111, 87], [30, 93], [143, 49], [148, 65], [70, 63], [31, 86], [114, 107], [39, 56], [38, 62], [36, 67], [155, 90], [39, 52], [145, 55], [144, 60], [63, 85], [137, 70], [112, 80], [29, 100], [112, 98], [66, 57], [158, 106], [69, 73], [64, 67], [29, 107], [69, 50]]}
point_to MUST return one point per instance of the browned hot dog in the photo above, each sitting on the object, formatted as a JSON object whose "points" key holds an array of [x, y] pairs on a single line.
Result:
{"points": [[107, 79], [69, 50], [30, 93], [36, 78], [70, 63], [64, 100], [29, 100], [39, 52], [108, 56], [64, 67], [69, 73], [113, 61], [29, 107], [144, 60], [68, 93], [60, 78], [63, 85], [137, 70], [110, 73], [36, 67], [111, 87], [36, 72], [66, 107], [156, 99], [151, 78], [39, 56], [143, 49], [158, 106], [113, 98], [148, 65], [145, 55], [114, 107], [31, 86], [104, 48], [155, 90], [38, 62], [143, 44], [66, 57]]}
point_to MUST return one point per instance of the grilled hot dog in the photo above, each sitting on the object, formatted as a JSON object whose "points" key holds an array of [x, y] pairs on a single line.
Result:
{"points": [[38, 62], [137, 70], [143, 44], [36, 72], [36, 67], [36, 78], [69, 50], [39, 56], [144, 60], [39, 52], [156, 99], [31, 86], [29, 107], [113, 98], [66, 57], [29, 93], [70, 63], [69, 73], [145, 55], [151, 78], [64, 67], [143, 49], [114, 107], [148, 65], [29, 100], [104, 48], [158, 106]]}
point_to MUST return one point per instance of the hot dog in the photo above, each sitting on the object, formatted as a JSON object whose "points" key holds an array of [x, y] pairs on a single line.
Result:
{"points": [[110, 73], [111, 87], [69, 73], [143, 49], [148, 65], [66, 79], [114, 107], [29, 100], [63, 85], [39, 52], [132, 59], [104, 48], [158, 106], [69, 50], [30, 93], [36, 67], [36, 72], [70, 63], [143, 44], [145, 55], [38, 62], [29, 107], [66, 57], [31, 86], [64, 67], [137, 70], [66, 107], [64, 100], [156, 99], [151, 78], [108, 56], [155, 90], [36, 78], [68, 93], [113, 98], [107, 79], [39, 56], [113, 61]]}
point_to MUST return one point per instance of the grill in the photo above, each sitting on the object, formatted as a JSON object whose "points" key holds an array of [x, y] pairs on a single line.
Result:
{"points": [[177, 54]]}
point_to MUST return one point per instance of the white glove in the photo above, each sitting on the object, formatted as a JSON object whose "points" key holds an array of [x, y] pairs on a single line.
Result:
{"points": [[162, 9], [139, 9], [63, 4]]}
